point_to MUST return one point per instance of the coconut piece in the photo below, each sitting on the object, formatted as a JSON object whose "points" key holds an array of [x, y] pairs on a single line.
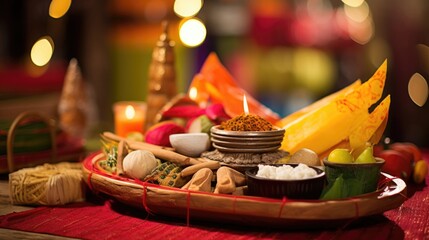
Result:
{"points": [[306, 156]]}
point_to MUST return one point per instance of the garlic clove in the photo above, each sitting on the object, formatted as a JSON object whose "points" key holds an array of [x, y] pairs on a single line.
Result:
{"points": [[139, 163]]}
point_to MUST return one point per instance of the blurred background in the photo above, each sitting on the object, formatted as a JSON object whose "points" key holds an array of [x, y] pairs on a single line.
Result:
{"points": [[287, 54]]}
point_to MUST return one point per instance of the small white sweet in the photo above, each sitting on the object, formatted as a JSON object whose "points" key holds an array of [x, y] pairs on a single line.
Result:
{"points": [[285, 172], [138, 164]]}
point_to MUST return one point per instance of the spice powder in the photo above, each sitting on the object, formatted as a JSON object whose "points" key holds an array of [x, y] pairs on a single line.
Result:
{"points": [[247, 122]]}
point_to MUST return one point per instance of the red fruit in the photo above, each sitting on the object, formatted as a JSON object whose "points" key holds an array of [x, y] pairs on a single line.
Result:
{"points": [[404, 150], [189, 111], [216, 113], [396, 164], [377, 149], [409, 147], [159, 134]]}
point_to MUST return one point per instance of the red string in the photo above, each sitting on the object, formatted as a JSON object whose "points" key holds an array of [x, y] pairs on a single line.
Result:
{"points": [[233, 204], [284, 200], [385, 181], [90, 182], [144, 197], [188, 203], [357, 210]]}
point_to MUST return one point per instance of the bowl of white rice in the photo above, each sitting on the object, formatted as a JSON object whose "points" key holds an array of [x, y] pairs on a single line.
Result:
{"points": [[294, 181]]}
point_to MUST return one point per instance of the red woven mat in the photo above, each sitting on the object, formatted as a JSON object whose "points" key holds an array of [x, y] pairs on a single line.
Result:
{"points": [[111, 220]]}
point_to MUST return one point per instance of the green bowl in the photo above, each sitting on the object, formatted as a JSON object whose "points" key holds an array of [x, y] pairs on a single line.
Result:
{"points": [[360, 177]]}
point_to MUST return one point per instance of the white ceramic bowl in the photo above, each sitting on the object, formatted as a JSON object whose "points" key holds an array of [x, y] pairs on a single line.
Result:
{"points": [[190, 144]]}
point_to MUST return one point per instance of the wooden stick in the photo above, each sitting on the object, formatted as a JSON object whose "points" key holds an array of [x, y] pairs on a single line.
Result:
{"points": [[117, 138], [159, 152], [122, 152], [194, 168]]}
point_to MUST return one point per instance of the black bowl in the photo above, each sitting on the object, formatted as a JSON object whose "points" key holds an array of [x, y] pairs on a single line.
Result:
{"points": [[308, 188]]}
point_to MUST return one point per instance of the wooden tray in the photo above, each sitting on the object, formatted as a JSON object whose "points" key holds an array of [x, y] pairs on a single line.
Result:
{"points": [[242, 210]]}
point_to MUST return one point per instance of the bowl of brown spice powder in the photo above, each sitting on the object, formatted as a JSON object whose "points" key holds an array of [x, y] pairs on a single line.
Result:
{"points": [[246, 133]]}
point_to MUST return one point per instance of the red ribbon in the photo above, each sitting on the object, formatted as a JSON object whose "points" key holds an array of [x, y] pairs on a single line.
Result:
{"points": [[188, 206], [284, 200]]}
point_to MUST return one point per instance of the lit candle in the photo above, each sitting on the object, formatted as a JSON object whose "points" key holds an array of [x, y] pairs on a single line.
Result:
{"points": [[129, 117], [245, 106]]}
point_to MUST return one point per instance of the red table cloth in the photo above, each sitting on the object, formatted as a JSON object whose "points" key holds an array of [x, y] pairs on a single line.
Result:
{"points": [[103, 218]]}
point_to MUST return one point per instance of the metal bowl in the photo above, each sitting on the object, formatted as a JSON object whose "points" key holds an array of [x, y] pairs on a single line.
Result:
{"points": [[276, 132], [246, 141]]}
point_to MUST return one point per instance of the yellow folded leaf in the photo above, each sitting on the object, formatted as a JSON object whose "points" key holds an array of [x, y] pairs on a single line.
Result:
{"points": [[322, 129], [332, 123], [367, 94], [375, 139], [326, 100], [365, 131]]}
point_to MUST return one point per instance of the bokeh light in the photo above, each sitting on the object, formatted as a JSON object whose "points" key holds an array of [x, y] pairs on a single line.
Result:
{"points": [[353, 3], [192, 32], [314, 69], [58, 8], [358, 14], [187, 8], [418, 89], [361, 32], [42, 50]]}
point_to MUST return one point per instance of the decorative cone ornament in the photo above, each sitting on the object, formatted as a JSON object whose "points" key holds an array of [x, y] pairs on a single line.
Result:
{"points": [[162, 77], [74, 105]]}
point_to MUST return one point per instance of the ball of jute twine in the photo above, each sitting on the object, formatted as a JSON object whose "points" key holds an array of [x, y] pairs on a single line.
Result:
{"points": [[48, 184]]}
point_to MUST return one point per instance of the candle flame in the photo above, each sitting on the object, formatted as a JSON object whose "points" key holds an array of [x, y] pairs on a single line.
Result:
{"points": [[245, 107], [193, 92], [130, 112]]}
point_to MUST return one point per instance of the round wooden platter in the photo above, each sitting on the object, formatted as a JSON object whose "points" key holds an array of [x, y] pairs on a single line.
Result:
{"points": [[242, 210]]}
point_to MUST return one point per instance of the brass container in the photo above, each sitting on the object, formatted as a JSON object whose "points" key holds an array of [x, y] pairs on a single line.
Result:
{"points": [[162, 77]]}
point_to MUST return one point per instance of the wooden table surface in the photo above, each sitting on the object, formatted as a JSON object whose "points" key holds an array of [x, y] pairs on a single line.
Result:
{"points": [[6, 207]]}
